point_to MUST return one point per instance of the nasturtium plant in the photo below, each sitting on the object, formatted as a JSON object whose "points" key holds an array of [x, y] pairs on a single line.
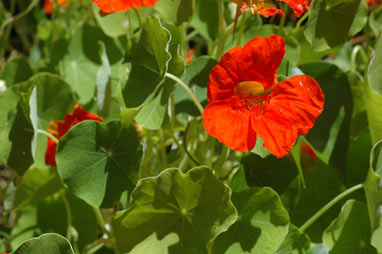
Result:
{"points": [[191, 126]]}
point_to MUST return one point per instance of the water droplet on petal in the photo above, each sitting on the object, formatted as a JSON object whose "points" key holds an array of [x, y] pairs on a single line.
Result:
{"points": [[300, 6], [301, 84]]}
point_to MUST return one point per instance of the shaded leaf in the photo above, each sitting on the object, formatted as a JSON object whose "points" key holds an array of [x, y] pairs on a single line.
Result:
{"points": [[295, 242], [16, 70], [374, 73], [261, 226], [99, 161], [349, 17], [185, 211], [350, 232], [175, 11], [48, 243]]}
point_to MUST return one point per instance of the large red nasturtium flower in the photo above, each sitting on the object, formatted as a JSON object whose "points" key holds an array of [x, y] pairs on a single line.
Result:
{"points": [[245, 99], [59, 128], [110, 6]]}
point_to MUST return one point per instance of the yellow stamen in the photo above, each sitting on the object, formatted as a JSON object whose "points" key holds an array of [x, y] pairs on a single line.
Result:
{"points": [[249, 88]]}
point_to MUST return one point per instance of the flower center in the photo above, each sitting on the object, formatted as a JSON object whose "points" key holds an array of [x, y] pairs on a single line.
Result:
{"points": [[249, 88]]}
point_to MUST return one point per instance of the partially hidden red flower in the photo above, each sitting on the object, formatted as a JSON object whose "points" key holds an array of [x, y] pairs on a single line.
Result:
{"points": [[377, 2], [299, 7], [59, 128], [49, 5], [190, 55], [246, 100], [110, 6], [307, 156]]}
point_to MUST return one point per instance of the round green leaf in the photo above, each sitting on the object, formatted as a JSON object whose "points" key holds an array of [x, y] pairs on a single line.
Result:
{"points": [[48, 243], [350, 232], [99, 161], [331, 22], [295, 242], [185, 211], [261, 226]]}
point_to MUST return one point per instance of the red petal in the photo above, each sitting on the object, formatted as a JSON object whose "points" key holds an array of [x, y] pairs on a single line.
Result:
{"points": [[78, 115], [299, 99], [266, 12], [48, 6], [108, 6], [298, 6], [277, 132], [231, 127], [306, 149], [51, 153], [257, 61]]}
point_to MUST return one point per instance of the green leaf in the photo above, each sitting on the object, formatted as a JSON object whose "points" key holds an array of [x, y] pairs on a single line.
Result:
{"points": [[295, 242], [322, 185], [175, 11], [48, 243], [149, 59], [349, 17], [185, 211], [374, 73], [99, 161], [16, 70], [261, 226], [373, 104], [270, 171], [206, 18], [330, 134], [373, 191], [35, 185], [357, 162], [77, 60], [375, 20], [103, 83], [350, 232], [153, 114], [198, 72], [113, 25], [16, 129]]}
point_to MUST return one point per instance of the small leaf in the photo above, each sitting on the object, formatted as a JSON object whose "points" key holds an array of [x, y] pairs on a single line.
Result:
{"points": [[350, 232], [16, 70], [99, 161], [374, 73], [174, 11], [373, 191], [270, 171], [198, 72], [185, 211], [103, 83], [349, 17], [48, 243], [261, 226], [295, 242], [149, 60]]}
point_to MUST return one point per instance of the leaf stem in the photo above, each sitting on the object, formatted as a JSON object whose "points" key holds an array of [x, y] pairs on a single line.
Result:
{"points": [[139, 18], [318, 214], [69, 215], [185, 146], [48, 135], [299, 22], [188, 90], [221, 31], [100, 220]]}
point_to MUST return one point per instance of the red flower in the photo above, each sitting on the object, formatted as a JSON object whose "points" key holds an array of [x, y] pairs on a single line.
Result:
{"points": [[377, 2], [190, 55], [49, 6], [307, 156], [109, 6], [58, 128], [245, 99], [299, 6], [266, 8]]}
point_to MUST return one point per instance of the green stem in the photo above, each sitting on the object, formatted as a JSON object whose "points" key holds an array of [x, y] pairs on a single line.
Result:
{"points": [[185, 146], [188, 90], [19, 16], [130, 28], [283, 18], [222, 27], [191, 35], [100, 220], [69, 215], [139, 18], [317, 215], [48, 135], [221, 160], [299, 22]]}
